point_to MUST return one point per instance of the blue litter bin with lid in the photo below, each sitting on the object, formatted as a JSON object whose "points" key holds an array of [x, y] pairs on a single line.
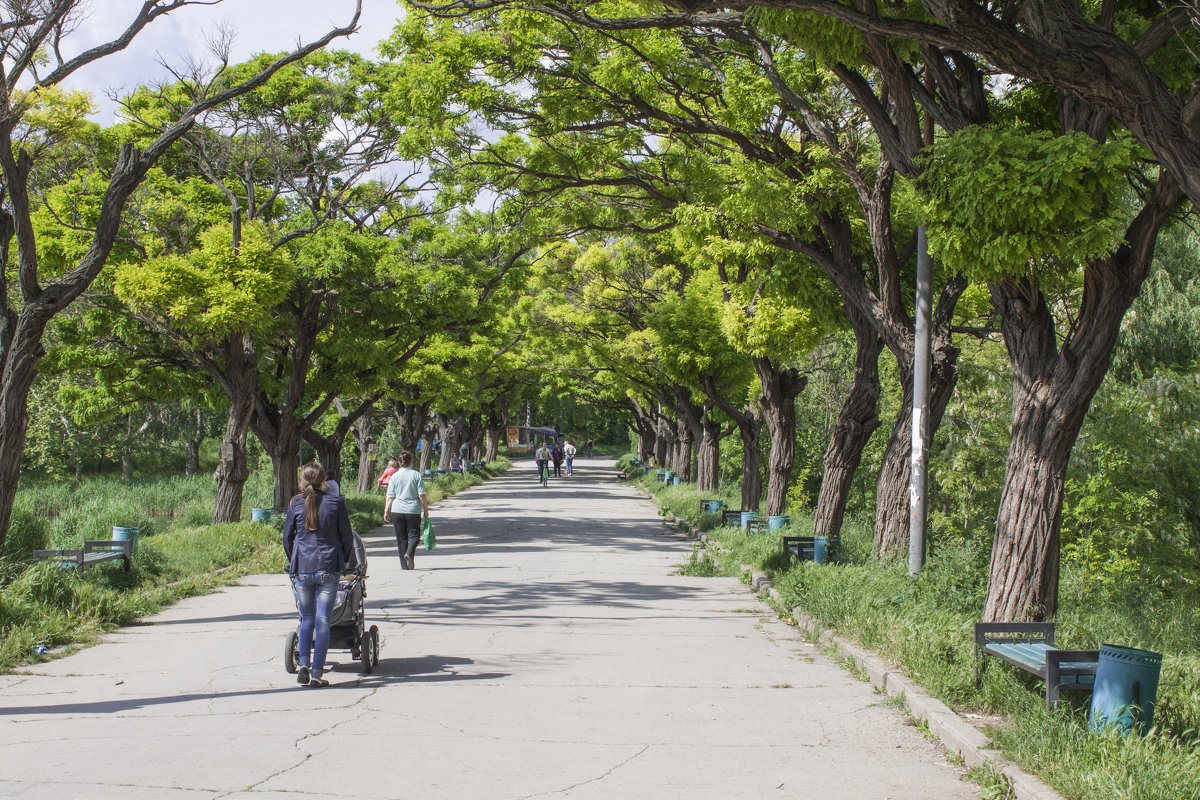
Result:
{"points": [[1126, 689], [122, 533], [820, 549], [260, 515]]}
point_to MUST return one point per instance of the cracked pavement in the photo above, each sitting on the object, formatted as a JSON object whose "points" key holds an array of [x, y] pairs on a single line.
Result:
{"points": [[544, 650]]}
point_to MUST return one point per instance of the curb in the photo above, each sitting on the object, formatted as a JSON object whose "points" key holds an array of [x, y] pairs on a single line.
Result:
{"points": [[955, 734]]}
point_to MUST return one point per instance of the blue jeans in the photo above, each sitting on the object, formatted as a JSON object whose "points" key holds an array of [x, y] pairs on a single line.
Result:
{"points": [[315, 593]]}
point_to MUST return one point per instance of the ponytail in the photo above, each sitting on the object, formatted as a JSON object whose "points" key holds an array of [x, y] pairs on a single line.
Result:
{"points": [[312, 475]]}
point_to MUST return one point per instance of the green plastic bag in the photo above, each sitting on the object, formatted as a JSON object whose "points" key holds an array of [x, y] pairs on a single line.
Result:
{"points": [[427, 537]]}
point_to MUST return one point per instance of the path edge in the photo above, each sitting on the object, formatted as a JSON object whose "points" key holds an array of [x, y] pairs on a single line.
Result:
{"points": [[956, 734]]}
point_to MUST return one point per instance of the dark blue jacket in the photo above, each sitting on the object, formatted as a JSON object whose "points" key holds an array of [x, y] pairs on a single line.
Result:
{"points": [[328, 547]]}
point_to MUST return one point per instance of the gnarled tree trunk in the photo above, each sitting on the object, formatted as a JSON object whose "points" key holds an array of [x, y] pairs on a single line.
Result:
{"points": [[778, 403], [1052, 389], [857, 420]]}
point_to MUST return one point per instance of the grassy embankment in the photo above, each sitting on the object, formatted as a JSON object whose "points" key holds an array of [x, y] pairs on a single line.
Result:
{"points": [[925, 626], [179, 554]]}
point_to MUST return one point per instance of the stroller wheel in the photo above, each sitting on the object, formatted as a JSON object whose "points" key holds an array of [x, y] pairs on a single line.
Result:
{"points": [[291, 652], [374, 646], [367, 648]]}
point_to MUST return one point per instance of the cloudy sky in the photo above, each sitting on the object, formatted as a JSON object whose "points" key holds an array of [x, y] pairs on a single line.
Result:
{"points": [[261, 25]]}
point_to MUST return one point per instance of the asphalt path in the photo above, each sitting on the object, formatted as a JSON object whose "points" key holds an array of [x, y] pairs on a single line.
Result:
{"points": [[545, 649]]}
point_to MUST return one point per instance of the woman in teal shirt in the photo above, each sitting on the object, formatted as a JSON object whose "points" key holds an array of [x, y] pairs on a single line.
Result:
{"points": [[405, 505]]}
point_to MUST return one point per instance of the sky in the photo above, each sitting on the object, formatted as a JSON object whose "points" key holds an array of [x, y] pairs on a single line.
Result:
{"points": [[261, 25]]}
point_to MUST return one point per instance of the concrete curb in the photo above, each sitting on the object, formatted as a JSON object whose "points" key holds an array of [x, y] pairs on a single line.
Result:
{"points": [[956, 735]]}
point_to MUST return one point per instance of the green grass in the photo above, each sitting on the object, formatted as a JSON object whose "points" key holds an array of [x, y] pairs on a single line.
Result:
{"points": [[926, 626], [179, 555]]}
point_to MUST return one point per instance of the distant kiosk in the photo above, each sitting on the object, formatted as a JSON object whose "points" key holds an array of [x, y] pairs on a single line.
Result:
{"points": [[523, 439]]}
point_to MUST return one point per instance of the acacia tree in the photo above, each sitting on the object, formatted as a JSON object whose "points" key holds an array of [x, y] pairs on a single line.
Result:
{"points": [[37, 31]]}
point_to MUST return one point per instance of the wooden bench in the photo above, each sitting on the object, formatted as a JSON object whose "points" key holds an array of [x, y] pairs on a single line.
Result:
{"points": [[757, 526], [804, 548], [1030, 646], [729, 517], [93, 553], [707, 506]]}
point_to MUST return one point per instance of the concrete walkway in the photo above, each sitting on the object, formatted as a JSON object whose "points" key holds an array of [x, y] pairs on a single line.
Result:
{"points": [[545, 649]]}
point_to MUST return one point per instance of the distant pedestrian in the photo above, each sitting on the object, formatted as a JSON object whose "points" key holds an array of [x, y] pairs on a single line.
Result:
{"points": [[542, 457], [556, 455], [569, 456], [464, 452], [405, 505], [318, 542], [590, 445], [392, 466]]}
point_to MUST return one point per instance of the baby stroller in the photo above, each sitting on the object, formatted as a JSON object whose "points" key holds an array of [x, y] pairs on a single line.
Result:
{"points": [[347, 623]]}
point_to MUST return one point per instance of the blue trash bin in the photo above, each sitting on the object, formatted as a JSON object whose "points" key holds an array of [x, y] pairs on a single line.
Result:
{"points": [[260, 515], [675, 481], [820, 549], [748, 517], [1126, 689], [776, 521], [122, 533]]}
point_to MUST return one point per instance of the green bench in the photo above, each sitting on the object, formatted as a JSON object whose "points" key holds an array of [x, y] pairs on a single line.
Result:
{"points": [[1030, 646], [93, 553]]}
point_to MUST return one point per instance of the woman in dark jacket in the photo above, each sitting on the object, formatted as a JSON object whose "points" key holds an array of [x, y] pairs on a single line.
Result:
{"points": [[318, 542]]}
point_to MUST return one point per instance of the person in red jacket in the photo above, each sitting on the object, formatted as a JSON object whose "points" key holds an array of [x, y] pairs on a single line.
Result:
{"points": [[392, 466]]}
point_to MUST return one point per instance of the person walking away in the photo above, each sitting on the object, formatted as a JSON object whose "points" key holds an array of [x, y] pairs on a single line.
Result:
{"points": [[464, 452], [318, 542], [569, 455], [405, 506], [556, 455], [590, 445], [392, 466], [542, 457]]}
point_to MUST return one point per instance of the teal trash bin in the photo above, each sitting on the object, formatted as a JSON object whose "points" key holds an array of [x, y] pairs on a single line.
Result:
{"points": [[1126, 689], [676, 480], [776, 521], [748, 517], [260, 515], [715, 506], [820, 549], [667, 476], [121, 533]]}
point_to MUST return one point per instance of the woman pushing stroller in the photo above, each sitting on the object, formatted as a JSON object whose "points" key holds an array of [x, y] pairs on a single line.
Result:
{"points": [[318, 542]]}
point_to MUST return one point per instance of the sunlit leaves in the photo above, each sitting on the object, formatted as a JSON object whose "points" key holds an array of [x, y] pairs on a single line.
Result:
{"points": [[1003, 202]]}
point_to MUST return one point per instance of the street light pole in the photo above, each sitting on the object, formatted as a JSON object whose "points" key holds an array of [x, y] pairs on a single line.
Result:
{"points": [[919, 458]]}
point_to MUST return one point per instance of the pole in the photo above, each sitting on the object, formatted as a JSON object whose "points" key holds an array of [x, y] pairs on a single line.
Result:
{"points": [[918, 462]]}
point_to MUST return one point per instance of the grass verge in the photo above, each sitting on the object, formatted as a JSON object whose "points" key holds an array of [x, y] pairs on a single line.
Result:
{"points": [[42, 604]]}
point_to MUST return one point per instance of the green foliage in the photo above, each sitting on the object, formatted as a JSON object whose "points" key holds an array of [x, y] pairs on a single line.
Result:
{"points": [[1005, 203]]}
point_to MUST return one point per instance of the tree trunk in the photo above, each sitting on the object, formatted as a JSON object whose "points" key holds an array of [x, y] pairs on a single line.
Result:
{"points": [[749, 427], [497, 421], [662, 439], [891, 499], [233, 468], [193, 445], [778, 404], [856, 421], [709, 463], [126, 447], [426, 453], [364, 437], [1052, 389]]}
